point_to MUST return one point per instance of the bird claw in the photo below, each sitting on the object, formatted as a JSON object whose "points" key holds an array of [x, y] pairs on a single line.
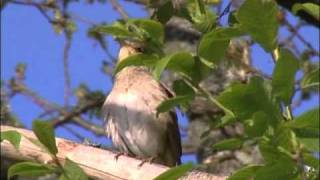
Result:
{"points": [[118, 155], [149, 160]]}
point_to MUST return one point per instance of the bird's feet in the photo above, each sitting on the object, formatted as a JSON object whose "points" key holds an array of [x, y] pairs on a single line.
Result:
{"points": [[116, 157], [149, 160]]}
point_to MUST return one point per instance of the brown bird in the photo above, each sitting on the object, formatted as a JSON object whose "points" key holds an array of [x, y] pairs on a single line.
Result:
{"points": [[131, 116]]}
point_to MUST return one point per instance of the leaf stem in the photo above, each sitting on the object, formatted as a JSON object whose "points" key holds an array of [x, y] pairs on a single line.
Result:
{"points": [[208, 95]]}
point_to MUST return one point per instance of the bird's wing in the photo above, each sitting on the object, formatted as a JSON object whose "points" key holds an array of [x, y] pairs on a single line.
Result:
{"points": [[113, 113], [174, 137]]}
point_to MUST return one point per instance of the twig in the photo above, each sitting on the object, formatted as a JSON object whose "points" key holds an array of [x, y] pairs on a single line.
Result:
{"points": [[69, 115], [67, 83], [119, 8], [226, 10], [306, 43], [99, 131], [39, 6], [82, 19], [39, 100], [65, 115], [75, 133]]}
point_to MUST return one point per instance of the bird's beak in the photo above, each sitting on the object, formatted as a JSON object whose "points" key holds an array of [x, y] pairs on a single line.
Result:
{"points": [[126, 51]]}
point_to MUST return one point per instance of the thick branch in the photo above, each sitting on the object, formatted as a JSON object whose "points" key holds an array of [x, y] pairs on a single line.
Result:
{"points": [[97, 163]]}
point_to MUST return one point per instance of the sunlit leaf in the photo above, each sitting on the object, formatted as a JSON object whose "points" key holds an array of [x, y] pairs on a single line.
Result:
{"points": [[173, 102], [282, 168], [13, 137], [257, 125], [245, 173], [175, 173], [181, 88], [311, 80], [153, 29], [213, 45], [30, 169], [309, 138], [259, 19], [45, 133], [136, 60], [309, 119], [72, 171], [182, 62], [228, 144], [245, 100], [202, 18], [164, 12], [283, 78], [311, 8]]}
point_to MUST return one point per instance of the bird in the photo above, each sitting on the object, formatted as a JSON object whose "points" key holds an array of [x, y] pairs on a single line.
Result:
{"points": [[131, 118]]}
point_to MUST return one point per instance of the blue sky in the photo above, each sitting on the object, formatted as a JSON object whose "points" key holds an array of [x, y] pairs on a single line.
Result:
{"points": [[27, 37]]}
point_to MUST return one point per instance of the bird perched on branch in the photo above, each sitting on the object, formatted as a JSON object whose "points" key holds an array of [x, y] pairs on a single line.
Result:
{"points": [[132, 120]]}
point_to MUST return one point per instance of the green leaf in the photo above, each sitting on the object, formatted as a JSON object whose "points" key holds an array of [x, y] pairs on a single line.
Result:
{"points": [[226, 119], [117, 29], [182, 62], [181, 88], [201, 69], [269, 151], [173, 102], [306, 128], [175, 173], [164, 12], [154, 30], [45, 133], [201, 17], [285, 138], [284, 75], [312, 9], [136, 60], [282, 142], [228, 144], [13, 137], [282, 168], [308, 119], [259, 19], [245, 100], [142, 31], [245, 173], [30, 169], [72, 171], [311, 80], [256, 126], [213, 45], [309, 138]]}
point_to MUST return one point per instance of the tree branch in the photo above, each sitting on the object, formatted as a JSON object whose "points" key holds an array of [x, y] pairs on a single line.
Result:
{"points": [[97, 163], [67, 82], [119, 8]]}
